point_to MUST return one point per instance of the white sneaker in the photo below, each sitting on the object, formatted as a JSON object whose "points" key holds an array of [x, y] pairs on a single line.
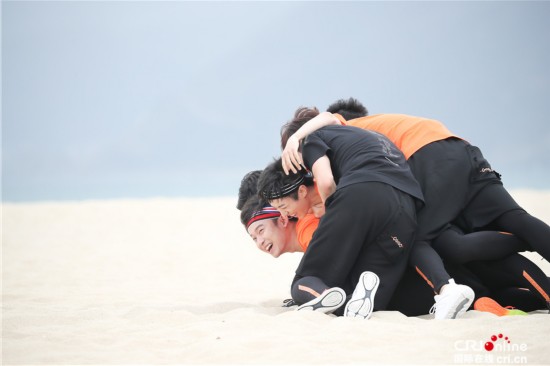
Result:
{"points": [[327, 302], [453, 302], [362, 300]]}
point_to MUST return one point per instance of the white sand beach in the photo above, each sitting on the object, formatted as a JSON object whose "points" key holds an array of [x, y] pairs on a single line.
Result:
{"points": [[178, 281]]}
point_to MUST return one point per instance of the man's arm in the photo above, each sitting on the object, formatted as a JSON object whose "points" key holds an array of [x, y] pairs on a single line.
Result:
{"points": [[322, 172], [291, 157]]}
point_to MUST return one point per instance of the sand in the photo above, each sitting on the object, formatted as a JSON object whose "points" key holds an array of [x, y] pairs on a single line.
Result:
{"points": [[178, 281]]}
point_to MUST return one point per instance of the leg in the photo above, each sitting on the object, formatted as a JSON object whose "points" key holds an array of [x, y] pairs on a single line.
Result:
{"points": [[429, 265], [355, 216], [518, 298], [514, 271], [374, 259], [528, 228], [494, 208], [440, 167], [387, 256], [306, 289], [464, 275], [412, 297], [455, 246], [312, 294]]}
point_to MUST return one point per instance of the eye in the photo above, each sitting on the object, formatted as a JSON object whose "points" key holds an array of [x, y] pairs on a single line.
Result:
{"points": [[261, 231]]}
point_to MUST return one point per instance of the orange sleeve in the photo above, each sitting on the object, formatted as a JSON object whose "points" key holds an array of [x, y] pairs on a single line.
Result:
{"points": [[305, 228], [342, 119]]}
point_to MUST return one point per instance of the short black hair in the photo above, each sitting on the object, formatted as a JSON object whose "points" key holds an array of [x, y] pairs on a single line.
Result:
{"points": [[273, 179], [248, 187], [348, 108]]}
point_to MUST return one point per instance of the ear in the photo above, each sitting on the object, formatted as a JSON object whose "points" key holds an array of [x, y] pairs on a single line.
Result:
{"points": [[283, 220], [302, 191]]}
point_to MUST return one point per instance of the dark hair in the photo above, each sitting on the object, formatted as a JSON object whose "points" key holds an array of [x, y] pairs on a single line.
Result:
{"points": [[273, 180], [301, 116], [348, 108], [250, 206], [248, 188]]}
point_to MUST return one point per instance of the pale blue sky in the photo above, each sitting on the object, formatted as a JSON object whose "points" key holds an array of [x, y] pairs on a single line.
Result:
{"points": [[148, 99]]}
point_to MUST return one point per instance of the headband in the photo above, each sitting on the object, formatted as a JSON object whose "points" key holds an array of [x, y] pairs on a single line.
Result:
{"points": [[265, 213], [286, 189]]}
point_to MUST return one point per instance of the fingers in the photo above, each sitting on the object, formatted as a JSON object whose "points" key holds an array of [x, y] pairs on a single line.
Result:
{"points": [[291, 158], [287, 164], [291, 162], [294, 163], [299, 160]]}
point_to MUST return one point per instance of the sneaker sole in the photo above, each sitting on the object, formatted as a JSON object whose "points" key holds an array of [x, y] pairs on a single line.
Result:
{"points": [[329, 301], [463, 305], [362, 300], [489, 305]]}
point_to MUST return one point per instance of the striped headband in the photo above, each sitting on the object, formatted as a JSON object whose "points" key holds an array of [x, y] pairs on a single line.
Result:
{"points": [[285, 190], [265, 213]]}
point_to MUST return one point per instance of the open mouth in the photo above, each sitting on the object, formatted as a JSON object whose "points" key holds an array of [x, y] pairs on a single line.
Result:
{"points": [[269, 246]]}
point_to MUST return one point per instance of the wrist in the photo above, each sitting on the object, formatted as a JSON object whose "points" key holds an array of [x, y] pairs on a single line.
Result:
{"points": [[297, 136]]}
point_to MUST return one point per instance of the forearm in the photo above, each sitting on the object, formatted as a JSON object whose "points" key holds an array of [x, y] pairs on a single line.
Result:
{"points": [[323, 177], [326, 189], [321, 120]]}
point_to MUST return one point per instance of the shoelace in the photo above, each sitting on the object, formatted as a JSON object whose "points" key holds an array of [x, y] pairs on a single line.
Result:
{"points": [[432, 309], [288, 303]]}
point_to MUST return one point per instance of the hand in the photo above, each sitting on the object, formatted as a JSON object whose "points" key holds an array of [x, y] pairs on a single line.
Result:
{"points": [[291, 157]]}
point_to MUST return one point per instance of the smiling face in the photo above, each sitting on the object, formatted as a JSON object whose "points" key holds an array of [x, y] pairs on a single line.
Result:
{"points": [[269, 236], [289, 206]]}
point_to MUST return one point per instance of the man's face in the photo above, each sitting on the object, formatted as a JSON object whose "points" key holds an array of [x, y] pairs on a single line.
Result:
{"points": [[288, 206], [269, 236]]}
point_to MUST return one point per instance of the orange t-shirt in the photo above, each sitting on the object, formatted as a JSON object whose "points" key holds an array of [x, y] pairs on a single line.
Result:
{"points": [[305, 228], [408, 133]]}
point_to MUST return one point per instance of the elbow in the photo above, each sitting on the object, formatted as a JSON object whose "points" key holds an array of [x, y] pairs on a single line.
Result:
{"points": [[330, 118]]}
